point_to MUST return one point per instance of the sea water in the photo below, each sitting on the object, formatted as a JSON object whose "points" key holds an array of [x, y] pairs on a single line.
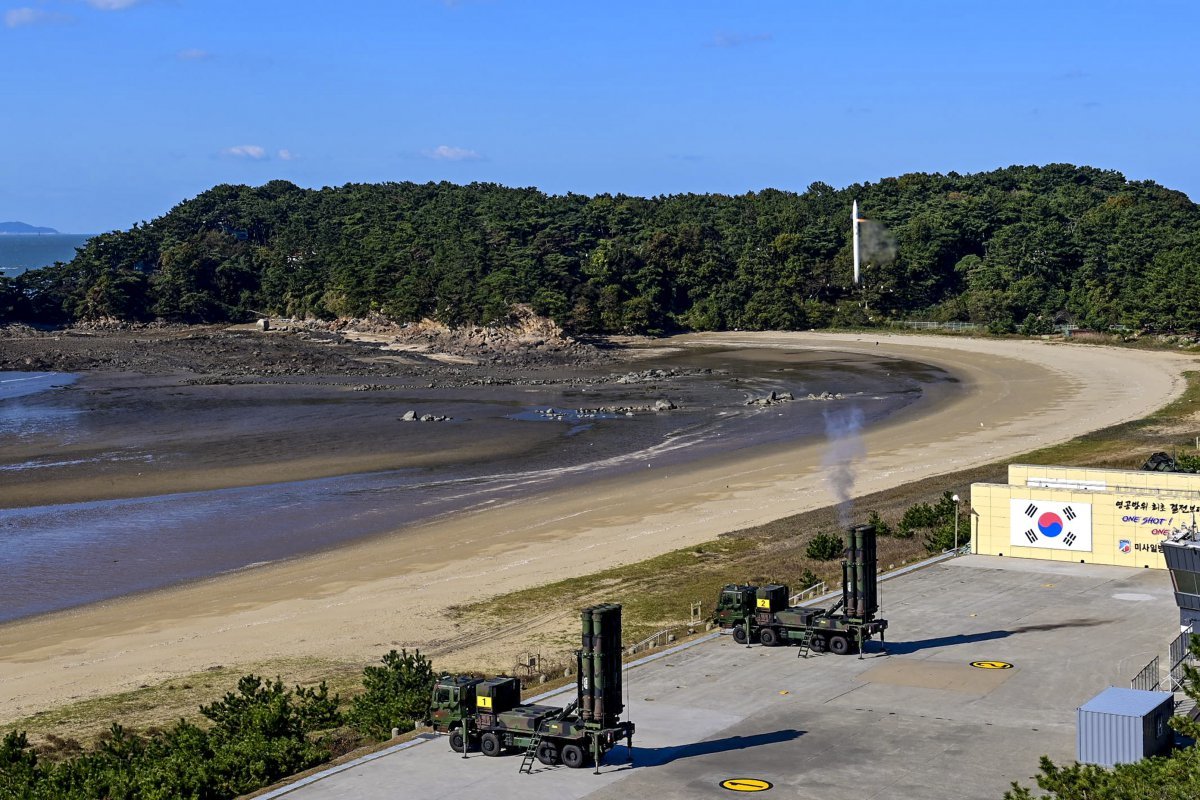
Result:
{"points": [[22, 251]]}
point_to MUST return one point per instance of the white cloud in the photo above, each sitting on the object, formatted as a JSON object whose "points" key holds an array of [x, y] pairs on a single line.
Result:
{"points": [[16, 17], [112, 5], [738, 39], [286, 155], [444, 152], [193, 54], [246, 151], [22, 16]]}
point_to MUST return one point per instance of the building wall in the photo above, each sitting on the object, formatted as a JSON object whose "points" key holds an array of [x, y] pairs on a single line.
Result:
{"points": [[1107, 516]]}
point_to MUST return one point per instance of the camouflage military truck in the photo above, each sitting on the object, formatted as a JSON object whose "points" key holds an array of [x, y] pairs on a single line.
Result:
{"points": [[488, 713], [761, 613]]}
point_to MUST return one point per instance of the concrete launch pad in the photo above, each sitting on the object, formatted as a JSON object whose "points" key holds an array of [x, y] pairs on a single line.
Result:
{"points": [[917, 722]]}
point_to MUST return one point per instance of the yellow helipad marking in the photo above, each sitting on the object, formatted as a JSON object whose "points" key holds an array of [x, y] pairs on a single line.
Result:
{"points": [[991, 665], [745, 785]]}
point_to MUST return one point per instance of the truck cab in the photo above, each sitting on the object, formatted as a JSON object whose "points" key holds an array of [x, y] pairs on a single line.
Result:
{"points": [[734, 604], [453, 704]]}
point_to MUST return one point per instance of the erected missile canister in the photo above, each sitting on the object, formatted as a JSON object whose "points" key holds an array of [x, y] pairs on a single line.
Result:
{"points": [[600, 664], [586, 678], [859, 583]]}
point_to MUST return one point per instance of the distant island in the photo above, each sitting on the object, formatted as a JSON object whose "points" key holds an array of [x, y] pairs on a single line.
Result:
{"points": [[21, 227]]}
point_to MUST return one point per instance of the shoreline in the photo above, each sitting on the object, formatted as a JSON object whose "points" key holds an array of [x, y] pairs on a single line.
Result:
{"points": [[359, 600]]}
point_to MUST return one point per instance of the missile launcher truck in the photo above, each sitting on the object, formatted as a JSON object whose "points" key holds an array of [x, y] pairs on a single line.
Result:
{"points": [[761, 613], [488, 714]]}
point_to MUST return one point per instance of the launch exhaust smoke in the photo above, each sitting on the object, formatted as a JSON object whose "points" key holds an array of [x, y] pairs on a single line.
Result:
{"points": [[871, 239], [842, 428]]}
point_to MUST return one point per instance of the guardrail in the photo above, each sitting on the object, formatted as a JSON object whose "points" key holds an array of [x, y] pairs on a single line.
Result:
{"points": [[1181, 655], [1148, 678], [665, 636], [816, 590]]}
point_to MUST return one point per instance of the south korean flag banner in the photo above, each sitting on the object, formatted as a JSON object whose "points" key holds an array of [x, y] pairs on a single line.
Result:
{"points": [[1057, 526]]}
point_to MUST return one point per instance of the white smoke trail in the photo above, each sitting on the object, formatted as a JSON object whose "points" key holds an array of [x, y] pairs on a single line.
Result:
{"points": [[878, 243], [842, 427]]}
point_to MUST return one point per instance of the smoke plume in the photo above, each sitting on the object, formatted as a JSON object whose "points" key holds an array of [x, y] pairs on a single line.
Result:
{"points": [[842, 428], [877, 244]]}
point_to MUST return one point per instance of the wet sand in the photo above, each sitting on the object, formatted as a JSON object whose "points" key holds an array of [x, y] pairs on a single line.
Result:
{"points": [[133, 442], [357, 601]]}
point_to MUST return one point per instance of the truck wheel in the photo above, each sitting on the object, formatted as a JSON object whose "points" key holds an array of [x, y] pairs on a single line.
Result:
{"points": [[490, 745], [769, 637], [739, 634], [817, 645], [573, 756], [839, 645], [457, 742], [547, 753]]}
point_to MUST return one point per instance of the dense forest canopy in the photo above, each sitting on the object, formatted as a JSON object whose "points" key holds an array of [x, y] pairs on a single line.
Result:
{"points": [[1020, 248]]}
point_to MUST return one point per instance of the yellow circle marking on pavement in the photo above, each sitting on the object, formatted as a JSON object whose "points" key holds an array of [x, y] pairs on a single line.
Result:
{"points": [[991, 665], [746, 785]]}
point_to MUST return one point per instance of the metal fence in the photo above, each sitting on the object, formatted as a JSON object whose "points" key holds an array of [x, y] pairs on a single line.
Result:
{"points": [[665, 636], [1181, 655], [816, 590], [935, 326], [1148, 679]]}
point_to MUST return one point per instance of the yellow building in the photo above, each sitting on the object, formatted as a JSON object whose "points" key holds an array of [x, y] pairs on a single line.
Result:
{"points": [[1094, 516]]}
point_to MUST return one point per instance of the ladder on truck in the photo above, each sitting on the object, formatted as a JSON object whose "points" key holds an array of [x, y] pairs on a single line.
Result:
{"points": [[531, 751], [530, 754], [806, 643]]}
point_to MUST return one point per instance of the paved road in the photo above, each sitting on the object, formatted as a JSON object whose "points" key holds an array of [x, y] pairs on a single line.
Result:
{"points": [[918, 722]]}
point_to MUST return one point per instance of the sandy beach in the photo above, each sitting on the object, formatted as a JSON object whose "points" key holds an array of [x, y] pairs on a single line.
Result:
{"points": [[358, 601]]}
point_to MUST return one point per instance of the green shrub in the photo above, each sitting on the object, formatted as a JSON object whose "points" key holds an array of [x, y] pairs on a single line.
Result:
{"points": [[824, 547], [881, 527], [260, 733], [397, 695], [1186, 462], [935, 522]]}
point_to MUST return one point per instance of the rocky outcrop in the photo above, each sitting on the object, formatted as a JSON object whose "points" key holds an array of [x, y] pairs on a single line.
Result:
{"points": [[772, 399], [651, 375], [412, 416], [521, 339]]}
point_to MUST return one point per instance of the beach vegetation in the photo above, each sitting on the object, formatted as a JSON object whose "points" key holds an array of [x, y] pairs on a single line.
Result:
{"points": [[1187, 462], [933, 521], [882, 526], [252, 737], [824, 547], [396, 695], [808, 579]]}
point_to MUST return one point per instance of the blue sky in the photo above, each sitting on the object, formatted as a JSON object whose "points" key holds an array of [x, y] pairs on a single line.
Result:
{"points": [[116, 110]]}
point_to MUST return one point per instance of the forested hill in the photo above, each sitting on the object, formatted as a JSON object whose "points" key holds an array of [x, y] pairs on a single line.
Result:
{"points": [[1018, 249]]}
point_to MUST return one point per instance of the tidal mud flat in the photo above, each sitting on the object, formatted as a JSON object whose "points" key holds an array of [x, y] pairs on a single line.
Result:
{"points": [[121, 483]]}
